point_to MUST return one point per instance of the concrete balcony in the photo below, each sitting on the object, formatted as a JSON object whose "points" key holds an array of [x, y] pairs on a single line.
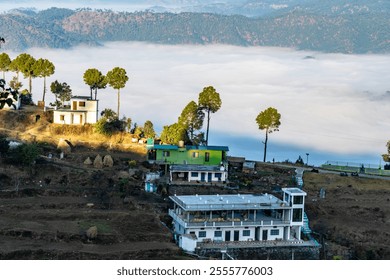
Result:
{"points": [[218, 222]]}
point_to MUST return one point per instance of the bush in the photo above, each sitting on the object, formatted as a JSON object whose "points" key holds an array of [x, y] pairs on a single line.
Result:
{"points": [[109, 127], [25, 154], [26, 99], [4, 145]]}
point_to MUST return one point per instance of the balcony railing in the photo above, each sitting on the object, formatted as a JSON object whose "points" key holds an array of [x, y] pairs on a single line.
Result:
{"points": [[260, 221]]}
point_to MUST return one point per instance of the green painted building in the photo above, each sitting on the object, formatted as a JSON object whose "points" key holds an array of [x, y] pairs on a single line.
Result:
{"points": [[196, 155]]}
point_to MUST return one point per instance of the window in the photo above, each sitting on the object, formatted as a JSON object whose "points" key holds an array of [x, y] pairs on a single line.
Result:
{"points": [[274, 232], [82, 103], [297, 215], [246, 232], [195, 154], [202, 234], [62, 117], [194, 174], [218, 175], [298, 199], [166, 153], [218, 233], [207, 157]]}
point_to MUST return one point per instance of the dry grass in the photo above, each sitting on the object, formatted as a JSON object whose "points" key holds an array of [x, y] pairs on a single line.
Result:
{"points": [[314, 181], [23, 125]]}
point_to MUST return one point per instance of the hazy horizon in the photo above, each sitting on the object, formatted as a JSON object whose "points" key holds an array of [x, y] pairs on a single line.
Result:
{"points": [[331, 104]]}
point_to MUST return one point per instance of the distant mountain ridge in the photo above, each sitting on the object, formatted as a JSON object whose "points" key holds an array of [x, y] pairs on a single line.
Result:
{"points": [[331, 27]]}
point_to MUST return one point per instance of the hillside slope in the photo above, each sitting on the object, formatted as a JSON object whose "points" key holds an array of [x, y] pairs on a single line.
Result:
{"points": [[362, 32], [46, 209]]}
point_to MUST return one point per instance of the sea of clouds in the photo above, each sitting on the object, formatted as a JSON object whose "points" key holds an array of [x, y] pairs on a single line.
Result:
{"points": [[334, 106]]}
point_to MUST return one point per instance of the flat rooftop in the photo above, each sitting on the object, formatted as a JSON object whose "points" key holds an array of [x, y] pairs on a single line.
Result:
{"points": [[294, 191], [228, 202]]}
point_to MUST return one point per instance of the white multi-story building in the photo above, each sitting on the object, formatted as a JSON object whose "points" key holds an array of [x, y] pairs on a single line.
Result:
{"points": [[238, 218], [82, 110]]}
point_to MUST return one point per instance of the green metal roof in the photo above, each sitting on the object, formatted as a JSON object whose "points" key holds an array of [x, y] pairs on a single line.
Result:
{"points": [[188, 147]]}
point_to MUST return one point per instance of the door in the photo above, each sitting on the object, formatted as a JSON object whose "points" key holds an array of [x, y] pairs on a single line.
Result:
{"points": [[81, 119], [74, 105], [236, 235], [265, 235], [209, 177], [227, 235], [203, 177], [257, 231]]}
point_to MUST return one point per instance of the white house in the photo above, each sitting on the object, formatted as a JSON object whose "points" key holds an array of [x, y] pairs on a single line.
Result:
{"points": [[239, 218], [198, 173], [82, 110]]}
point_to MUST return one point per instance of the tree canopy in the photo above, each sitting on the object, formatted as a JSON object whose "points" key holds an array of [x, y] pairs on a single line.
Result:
{"points": [[386, 157], [210, 102], [149, 130], [268, 120], [117, 79], [43, 68], [173, 133], [62, 92], [95, 80], [15, 84], [24, 63], [191, 119], [5, 62]]}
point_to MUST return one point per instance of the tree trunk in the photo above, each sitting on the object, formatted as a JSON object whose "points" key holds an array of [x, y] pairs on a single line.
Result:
{"points": [[44, 89], [265, 145], [95, 93], [208, 125], [119, 97], [90, 88], [30, 84]]}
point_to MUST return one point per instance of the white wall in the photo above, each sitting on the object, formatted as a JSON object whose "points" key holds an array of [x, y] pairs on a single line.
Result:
{"points": [[75, 116], [213, 177], [187, 243]]}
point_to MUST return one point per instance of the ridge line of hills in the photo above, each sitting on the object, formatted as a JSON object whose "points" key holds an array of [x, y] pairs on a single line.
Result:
{"points": [[366, 32]]}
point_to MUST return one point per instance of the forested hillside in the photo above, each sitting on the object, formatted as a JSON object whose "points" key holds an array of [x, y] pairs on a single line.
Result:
{"points": [[62, 28]]}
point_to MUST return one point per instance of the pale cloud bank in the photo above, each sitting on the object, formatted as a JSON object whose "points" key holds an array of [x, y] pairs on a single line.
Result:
{"points": [[329, 102]]}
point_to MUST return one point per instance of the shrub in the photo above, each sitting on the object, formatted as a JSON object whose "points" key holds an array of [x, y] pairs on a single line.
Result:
{"points": [[109, 126], [25, 154], [4, 145]]}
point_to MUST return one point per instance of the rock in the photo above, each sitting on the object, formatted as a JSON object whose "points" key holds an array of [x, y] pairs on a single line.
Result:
{"points": [[98, 162], [65, 146], [88, 161], [108, 161], [123, 175], [132, 172], [92, 232]]}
